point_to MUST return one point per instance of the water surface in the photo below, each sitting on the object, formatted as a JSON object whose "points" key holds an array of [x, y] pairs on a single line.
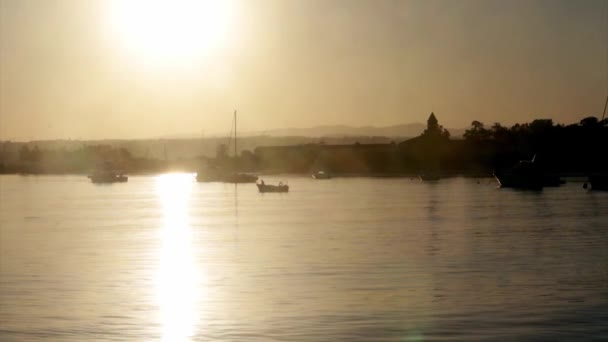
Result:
{"points": [[357, 259]]}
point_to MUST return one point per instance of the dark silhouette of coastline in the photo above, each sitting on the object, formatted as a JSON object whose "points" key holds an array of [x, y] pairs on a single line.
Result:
{"points": [[569, 150], [575, 149]]}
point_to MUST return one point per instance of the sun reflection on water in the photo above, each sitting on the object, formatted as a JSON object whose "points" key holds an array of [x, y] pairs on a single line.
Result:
{"points": [[177, 276]]}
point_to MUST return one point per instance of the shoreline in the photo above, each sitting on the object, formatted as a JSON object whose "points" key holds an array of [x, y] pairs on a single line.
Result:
{"points": [[299, 174]]}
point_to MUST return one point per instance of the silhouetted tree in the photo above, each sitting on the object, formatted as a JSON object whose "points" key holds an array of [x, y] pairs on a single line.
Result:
{"points": [[476, 132], [499, 132], [590, 121]]}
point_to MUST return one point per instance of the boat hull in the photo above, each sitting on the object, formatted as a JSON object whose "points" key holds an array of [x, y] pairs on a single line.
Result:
{"points": [[429, 177], [553, 181], [599, 182], [241, 178], [321, 175], [205, 178], [263, 188], [230, 178], [521, 181], [108, 178]]}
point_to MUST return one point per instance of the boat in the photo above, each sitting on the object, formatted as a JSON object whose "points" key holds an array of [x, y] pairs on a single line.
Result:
{"points": [[429, 177], [598, 182], [321, 175], [105, 173], [226, 176], [432, 171], [552, 181], [240, 178], [107, 177], [524, 175], [209, 175], [262, 187], [215, 175]]}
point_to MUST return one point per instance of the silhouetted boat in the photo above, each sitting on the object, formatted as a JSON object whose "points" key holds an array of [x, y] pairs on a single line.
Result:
{"points": [[107, 177], [106, 174], [215, 175], [221, 176], [427, 177], [552, 180], [525, 175], [226, 176], [209, 175], [599, 182], [240, 178], [321, 175], [262, 187]]}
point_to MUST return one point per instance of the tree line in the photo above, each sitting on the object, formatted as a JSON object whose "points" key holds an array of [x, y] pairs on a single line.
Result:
{"points": [[577, 148]]}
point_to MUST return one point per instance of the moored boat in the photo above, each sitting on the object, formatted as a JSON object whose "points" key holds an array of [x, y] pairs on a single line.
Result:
{"points": [[262, 187], [525, 175], [211, 175], [107, 173], [226, 174], [240, 178], [107, 177], [552, 181], [428, 177], [208, 176], [321, 175], [599, 182]]}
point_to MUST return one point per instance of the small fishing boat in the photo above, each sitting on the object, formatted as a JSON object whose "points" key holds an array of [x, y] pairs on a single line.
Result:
{"points": [[107, 173], [321, 175], [428, 177], [262, 187], [107, 177]]}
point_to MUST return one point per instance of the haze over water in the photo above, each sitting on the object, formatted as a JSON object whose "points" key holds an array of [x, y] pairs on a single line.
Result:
{"points": [[359, 259]]}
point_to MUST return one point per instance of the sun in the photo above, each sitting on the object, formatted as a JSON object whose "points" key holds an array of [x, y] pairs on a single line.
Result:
{"points": [[171, 31]]}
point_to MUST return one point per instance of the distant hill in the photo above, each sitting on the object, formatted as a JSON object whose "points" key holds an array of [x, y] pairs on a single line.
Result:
{"points": [[333, 131], [403, 130], [190, 145], [176, 148]]}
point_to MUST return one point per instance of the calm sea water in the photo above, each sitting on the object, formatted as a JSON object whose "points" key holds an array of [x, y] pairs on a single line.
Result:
{"points": [[166, 258]]}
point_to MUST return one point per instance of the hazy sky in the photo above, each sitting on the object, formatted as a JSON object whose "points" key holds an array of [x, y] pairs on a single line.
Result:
{"points": [[70, 69]]}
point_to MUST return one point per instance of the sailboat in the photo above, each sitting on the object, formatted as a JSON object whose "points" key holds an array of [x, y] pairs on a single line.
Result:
{"points": [[524, 175], [223, 175], [599, 181]]}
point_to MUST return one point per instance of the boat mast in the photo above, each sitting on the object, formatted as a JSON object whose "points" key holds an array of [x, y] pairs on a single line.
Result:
{"points": [[235, 135], [603, 115]]}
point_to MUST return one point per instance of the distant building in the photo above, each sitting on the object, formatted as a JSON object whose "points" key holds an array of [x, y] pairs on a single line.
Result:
{"points": [[432, 124], [433, 134]]}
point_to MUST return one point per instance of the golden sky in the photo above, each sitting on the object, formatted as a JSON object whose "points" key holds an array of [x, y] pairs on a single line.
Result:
{"points": [[136, 69]]}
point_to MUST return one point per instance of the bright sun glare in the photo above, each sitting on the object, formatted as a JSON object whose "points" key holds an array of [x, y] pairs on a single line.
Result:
{"points": [[171, 31], [177, 280]]}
